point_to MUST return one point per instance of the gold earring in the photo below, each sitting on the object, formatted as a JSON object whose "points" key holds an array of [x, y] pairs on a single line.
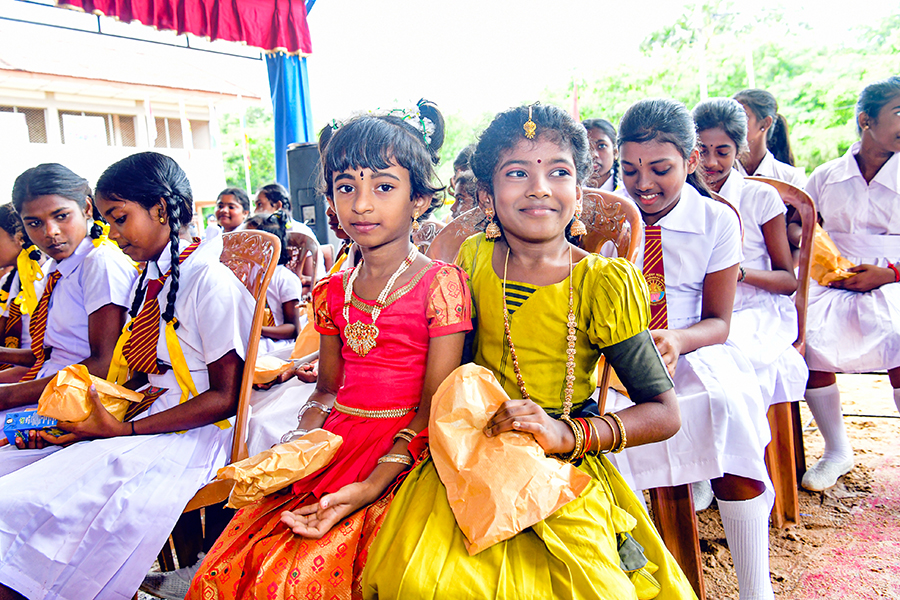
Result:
{"points": [[492, 231], [415, 221], [529, 126], [162, 220], [578, 229]]}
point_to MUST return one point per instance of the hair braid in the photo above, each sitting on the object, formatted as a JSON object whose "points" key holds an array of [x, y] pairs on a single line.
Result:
{"points": [[174, 218], [7, 285], [138, 301], [615, 174]]}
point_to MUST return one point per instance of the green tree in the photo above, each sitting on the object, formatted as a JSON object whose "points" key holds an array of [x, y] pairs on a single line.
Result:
{"points": [[260, 131]]}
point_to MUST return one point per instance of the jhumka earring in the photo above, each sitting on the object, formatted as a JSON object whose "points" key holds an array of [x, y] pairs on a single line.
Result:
{"points": [[578, 229], [492, 231], [415, 222], [530, 127]]}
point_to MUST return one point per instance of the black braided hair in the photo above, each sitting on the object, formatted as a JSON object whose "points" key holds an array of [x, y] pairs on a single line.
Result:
{"points": [[609, 130], [152, 179], [53, 179], [276, 224], [11, 223]]}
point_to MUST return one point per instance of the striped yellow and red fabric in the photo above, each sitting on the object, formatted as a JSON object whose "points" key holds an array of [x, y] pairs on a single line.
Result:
{"points": [[12, 335], [140, 349], [38, 326], [655, 274]]}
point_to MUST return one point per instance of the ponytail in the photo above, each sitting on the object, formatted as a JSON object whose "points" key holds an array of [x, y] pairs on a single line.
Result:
{"points": [[778, 142]]}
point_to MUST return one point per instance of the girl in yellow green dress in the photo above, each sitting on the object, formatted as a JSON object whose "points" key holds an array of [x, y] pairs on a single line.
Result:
{"points": [[544, 308]]}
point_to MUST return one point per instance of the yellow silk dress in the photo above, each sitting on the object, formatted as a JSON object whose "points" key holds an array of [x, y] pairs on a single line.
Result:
{"points": [[419, 552]]}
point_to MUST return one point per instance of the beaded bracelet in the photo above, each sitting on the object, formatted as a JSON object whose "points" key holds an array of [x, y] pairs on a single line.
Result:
{"points": [[893, 268], [405, 434], [623, 439], [396, 458]]}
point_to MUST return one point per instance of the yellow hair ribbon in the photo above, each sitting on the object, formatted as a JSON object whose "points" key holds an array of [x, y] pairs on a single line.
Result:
{"points": [[29, 271], [118, 367], [104, 240], [182, 372]]}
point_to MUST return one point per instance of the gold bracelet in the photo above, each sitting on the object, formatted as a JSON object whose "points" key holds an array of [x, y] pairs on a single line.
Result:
{"points": [[579, 440], [396, 458], [623, 439], [612, 429], [405, 434], [594, 434]]}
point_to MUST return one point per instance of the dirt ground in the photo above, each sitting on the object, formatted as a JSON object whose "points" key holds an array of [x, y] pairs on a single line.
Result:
{"points": [[847, 544]]}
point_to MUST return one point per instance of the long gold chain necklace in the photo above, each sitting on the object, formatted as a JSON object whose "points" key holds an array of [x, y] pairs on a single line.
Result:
{"points": [[570, 339], [361, 337]]}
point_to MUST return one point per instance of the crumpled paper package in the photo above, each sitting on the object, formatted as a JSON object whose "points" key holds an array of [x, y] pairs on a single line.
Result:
{"points": [[268, 368], [66, 396], [279, 467], [308, 338], [497, 486], [828, 265]]}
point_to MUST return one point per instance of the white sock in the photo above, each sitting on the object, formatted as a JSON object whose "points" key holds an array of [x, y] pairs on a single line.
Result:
{"points": [[825, 405], [897, 398], [746, 524]]}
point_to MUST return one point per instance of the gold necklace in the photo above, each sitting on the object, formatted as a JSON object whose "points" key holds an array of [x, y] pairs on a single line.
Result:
{"points": [[361, 336], [570, 339]]}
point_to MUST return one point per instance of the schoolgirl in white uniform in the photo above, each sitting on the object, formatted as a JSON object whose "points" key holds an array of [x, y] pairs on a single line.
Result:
{"points": [[724, 430], [604, 155], [769, 153], [764, 323], [88, 520], [857, 320], [87, 304], [284, 292]]}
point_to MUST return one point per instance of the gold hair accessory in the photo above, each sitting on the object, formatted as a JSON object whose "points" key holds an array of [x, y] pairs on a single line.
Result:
{"points": [[578, 229], [492, 231], [415, 221], [530, 127]]}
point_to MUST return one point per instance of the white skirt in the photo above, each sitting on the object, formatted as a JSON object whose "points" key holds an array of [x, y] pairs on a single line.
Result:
{"points": [[852, 332], [273, 413], [723, 425], [764, 331], [88, 520]]}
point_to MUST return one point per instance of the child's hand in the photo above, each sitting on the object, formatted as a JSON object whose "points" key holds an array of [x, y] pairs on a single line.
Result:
{"points": [[34, 442], [100, 424], [867, 278], [669, 348], [315, 520], [278, 380], [554, 436], [308, 372]]}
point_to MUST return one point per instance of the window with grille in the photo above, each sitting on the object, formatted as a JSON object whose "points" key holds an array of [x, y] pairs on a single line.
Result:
{"points": [[168, 133], [34, 122]]}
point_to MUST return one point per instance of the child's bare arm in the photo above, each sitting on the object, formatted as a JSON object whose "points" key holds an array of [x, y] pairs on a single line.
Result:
{"points": [[781, 279]]}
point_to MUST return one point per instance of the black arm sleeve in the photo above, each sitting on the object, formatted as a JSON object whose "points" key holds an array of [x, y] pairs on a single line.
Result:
{"points": [[639, 366]]}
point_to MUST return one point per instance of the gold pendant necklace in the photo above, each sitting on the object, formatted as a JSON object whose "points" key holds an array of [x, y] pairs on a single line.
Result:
{"points": [[570, 339], [361, 337]]}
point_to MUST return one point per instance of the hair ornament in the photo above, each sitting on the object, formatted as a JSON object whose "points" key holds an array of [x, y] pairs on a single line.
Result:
{"points": [[530, 127], [412, 116]]}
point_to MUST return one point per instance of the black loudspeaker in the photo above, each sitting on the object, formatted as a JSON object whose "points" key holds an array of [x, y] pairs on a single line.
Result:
{"points": [[307, 204]]}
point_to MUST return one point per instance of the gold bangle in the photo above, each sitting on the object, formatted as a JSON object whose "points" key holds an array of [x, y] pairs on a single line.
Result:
{"points": [[396, 458], [405, 434], [623, 439], [579, 440], [612, 429], [594, 434]]}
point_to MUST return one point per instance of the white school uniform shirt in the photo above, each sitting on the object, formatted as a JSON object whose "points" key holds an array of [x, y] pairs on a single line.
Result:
{"points": [[284, 286], [15, 288], [775, 169], [214, 311], [91, 278], [857, 332]]}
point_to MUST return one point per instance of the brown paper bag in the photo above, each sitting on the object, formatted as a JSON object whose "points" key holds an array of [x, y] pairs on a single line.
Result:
{"points": [[279, 467], [828, 265], [496, 486], [308, 338], [66, 396], [268, 368]]}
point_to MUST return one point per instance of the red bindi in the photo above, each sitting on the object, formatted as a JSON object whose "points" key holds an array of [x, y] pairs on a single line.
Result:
{"points": [[539, 161]]}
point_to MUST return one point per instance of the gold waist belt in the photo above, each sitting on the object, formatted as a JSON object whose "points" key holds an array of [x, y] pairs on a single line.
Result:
{"points": [[391, 413]]}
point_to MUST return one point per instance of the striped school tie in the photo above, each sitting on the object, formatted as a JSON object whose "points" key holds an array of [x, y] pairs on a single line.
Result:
{"points": [[655, 274], [269, 317], [37, 326], [12, 335], [140, 349]]}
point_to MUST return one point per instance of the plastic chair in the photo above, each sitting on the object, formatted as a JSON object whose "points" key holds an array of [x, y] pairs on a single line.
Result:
{"points": [[445, 245], [784, 419], [425, 236], [252, 256]]}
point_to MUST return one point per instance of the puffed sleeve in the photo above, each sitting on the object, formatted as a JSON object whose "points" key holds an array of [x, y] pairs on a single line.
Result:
{"points": [[727, 250], [618, 299], [324, 324], [467, 257], [449, 305], [107, 278]]}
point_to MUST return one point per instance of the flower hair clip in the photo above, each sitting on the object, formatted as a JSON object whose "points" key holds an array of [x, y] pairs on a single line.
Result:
{"points": [[422, 124]]}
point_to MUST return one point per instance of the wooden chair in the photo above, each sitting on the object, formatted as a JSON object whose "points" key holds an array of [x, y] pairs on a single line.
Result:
{"points": [[252, 256], [785, 456]]}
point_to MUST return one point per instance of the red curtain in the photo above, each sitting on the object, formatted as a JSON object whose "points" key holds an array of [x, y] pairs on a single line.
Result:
{"points": [[267, 24]]}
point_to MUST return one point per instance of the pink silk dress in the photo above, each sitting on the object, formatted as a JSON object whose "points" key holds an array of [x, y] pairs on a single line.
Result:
{"points": [[259, 557]]}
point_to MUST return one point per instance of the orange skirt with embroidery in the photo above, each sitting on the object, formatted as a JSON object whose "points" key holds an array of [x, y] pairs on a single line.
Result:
{"points": [[259, 557]]}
